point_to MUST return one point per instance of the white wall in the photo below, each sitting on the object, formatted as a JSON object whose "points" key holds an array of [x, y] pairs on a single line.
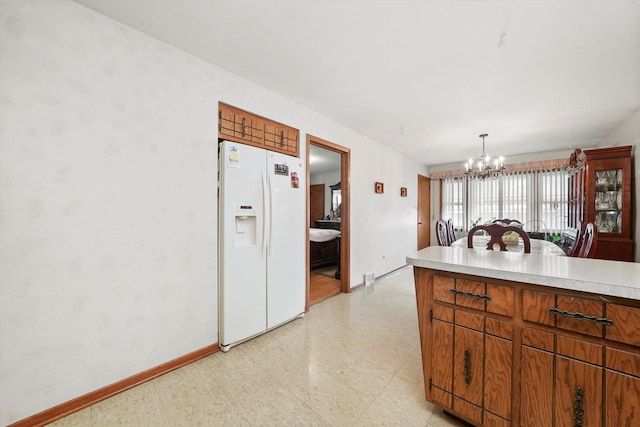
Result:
{"points": [[327, 179], [108, 215], [628, 133]]}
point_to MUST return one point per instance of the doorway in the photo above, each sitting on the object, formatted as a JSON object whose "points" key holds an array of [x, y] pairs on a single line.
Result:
{"points": [[334, 217], [424, 212]]}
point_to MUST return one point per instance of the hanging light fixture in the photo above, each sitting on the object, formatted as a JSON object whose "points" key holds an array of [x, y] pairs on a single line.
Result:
{"points": [[483, 168]]}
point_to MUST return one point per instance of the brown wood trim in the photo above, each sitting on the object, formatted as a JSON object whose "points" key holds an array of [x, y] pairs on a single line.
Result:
{"points": [[49, 415], [345, 240], [356, 287], [606, 153]]}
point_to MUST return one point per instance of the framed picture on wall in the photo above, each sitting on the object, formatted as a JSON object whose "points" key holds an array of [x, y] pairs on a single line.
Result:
{"points": [[403, 191], [379, 187]]}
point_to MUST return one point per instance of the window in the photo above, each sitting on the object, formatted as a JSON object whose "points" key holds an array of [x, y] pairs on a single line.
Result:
{"points": [[553, 203], [453, 201], [538, 199]]}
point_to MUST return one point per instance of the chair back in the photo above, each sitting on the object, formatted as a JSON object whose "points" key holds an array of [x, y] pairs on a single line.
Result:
{"points": [[441, 233], [496, 232], [577, 245], [589, 241], [451, 232]]}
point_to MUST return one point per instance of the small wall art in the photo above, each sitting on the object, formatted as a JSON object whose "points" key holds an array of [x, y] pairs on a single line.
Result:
{"points": [[403, 191], [379, 187]]}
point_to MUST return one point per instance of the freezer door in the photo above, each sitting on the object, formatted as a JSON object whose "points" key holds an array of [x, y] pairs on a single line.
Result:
{"points": [[286, 275], [242, 256]]}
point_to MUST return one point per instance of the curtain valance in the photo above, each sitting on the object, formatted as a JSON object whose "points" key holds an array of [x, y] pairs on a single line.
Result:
{"points": [[527, 167]]}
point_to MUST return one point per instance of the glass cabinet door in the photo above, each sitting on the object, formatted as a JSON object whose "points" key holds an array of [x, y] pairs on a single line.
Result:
{"points": [[608, 201]]}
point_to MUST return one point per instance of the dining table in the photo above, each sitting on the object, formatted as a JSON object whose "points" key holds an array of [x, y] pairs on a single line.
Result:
{"points": [[537, 246]]}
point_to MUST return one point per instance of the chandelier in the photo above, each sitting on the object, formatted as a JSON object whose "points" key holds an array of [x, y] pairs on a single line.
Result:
{"points": [[483, 168]]}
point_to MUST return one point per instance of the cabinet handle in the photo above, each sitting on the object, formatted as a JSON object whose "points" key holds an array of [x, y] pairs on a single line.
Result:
{"points": [[281, 138], [244, 126], [467, 367], [578, 412], [602, 320], [470, 294], [219, 121]]}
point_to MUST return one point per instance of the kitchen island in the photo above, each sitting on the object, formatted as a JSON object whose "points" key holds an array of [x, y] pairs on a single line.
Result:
{"points": [[512, 339]]}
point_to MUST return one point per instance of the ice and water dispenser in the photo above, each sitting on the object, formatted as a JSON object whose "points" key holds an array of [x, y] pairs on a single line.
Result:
{"points": [[245, 225]]}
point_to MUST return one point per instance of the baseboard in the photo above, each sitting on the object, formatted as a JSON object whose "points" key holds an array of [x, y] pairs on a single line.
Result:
{"points": [[49, 415], [356, 287], [360, 285]]}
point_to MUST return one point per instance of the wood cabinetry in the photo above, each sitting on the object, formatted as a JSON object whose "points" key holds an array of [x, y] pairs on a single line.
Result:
{"points": [[600, 189], [241, 126], [326, 224], [501, 353]]}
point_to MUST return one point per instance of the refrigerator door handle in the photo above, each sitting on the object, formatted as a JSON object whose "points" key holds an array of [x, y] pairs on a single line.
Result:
{"points": [[270, 192], [265, 213]]}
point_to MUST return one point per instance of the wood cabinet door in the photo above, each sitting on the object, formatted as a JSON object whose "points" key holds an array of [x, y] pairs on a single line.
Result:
{"points": [[536, 395], [578, 390], [468, 365], [497, 376], [442, 361], [622, 400]]}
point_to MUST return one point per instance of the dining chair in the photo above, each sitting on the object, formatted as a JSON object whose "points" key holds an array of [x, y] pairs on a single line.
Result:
{"points": [[577, 244], [506, 222], [441, 233], [451, 232], [589, 242], [496, 232]]}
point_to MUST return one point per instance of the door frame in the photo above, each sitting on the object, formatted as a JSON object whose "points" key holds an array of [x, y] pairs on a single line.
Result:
{"points": [[423, 180], [345, 211]]}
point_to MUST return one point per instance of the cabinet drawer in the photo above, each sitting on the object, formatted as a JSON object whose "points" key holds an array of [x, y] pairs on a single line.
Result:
{"points": [[580, 350], [471, 294], [469, 320], [623, 361], [502, 299], [537, 339], [499, 328], [536, 305], [443, 313], [442, 287], [626, 324], [576, 307]]}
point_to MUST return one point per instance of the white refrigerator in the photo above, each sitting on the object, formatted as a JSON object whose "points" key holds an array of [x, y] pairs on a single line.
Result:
{"points": [[261, 241]]}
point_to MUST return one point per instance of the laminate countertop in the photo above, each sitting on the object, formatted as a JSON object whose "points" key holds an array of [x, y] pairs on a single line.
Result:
{"points": [[612, 278]]}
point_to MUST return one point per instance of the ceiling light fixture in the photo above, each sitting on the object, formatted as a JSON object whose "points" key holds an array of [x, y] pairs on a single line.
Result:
{"points": [[482, 168]]}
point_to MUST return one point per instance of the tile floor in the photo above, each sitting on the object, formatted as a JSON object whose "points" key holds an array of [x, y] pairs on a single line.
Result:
{"points": [[353, 360]]}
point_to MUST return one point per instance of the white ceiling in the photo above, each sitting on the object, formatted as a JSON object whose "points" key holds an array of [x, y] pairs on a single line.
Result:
{"points": [[425, 77]]}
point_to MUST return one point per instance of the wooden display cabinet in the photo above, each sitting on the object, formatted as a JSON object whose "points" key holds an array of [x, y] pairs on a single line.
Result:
{"points": [[241, 126], [503, 353], [600, 188]]}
